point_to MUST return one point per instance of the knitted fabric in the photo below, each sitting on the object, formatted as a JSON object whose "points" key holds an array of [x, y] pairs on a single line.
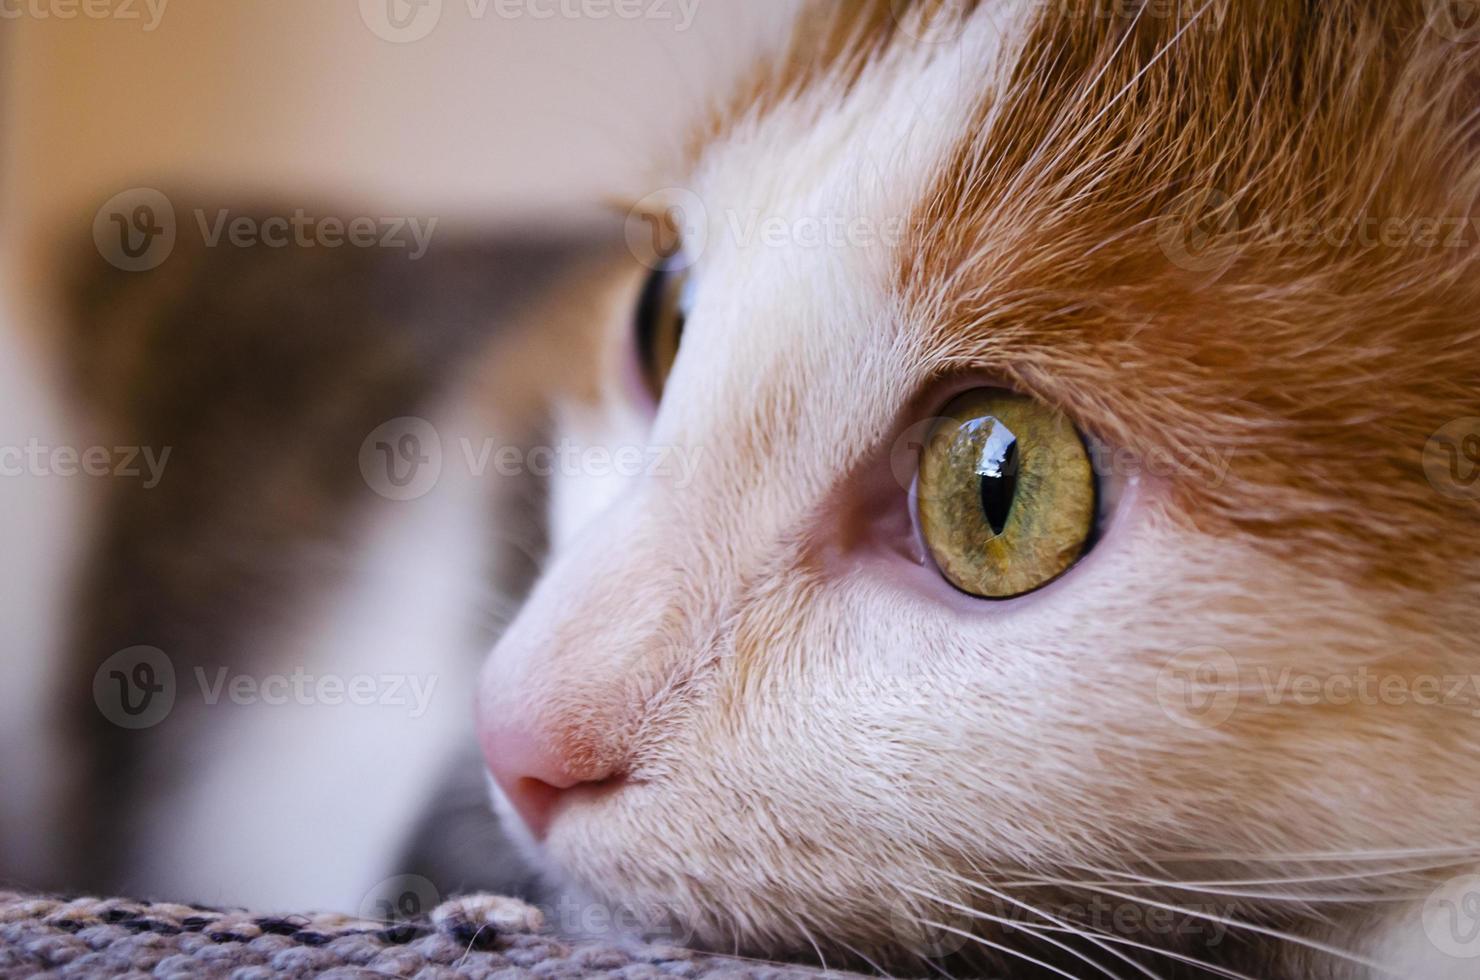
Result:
{"points": [[477, 938]]}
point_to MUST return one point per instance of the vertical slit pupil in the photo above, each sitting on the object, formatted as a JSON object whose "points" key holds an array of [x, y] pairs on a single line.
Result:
{"points": [[999, 485]]}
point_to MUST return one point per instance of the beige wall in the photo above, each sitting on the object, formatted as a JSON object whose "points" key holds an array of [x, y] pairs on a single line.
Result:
{"points": [[504, 115]]}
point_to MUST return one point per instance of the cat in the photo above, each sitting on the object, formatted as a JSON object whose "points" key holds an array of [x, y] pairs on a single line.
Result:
{"points": [[1064, 583], [263, 553]]}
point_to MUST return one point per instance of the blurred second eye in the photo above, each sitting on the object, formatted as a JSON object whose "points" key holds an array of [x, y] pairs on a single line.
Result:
{"points": [[662, 313]]}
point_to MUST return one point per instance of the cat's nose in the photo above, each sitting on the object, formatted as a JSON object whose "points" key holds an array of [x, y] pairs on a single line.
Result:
{"points": [[539, 773], [565, 700]]}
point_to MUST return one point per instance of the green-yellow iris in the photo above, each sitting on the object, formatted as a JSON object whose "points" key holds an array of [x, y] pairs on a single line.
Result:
{"points": [[1006, 495]]}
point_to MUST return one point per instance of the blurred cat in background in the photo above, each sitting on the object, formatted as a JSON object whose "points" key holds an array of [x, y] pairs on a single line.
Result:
{"points": [[188, 725]]}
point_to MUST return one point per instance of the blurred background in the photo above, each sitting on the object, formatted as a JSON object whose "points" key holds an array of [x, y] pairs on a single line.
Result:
{"points": [[480, 140], [477, 111]]}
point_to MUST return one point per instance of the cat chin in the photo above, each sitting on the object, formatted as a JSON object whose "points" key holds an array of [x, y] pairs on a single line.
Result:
{"points": [[579, 913]]}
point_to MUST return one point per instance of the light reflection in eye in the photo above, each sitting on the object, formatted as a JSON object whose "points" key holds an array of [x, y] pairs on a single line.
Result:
{"points": [[997, 467], [997, 451]]}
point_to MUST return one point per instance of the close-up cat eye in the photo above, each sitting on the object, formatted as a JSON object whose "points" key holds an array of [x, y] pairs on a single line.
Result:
{"points": [[662, 312], [599, 488], [1006, 495]]}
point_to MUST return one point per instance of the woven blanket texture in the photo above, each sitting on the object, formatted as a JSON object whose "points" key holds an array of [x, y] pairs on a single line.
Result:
{"points": [[481, 938]]}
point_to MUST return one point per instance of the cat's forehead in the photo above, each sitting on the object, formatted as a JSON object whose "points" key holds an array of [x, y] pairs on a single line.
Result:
{"points": [[799, 212], [863, 149]]}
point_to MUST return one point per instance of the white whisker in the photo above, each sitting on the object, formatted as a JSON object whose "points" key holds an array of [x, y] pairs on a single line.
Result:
{"points": [[1000, 948], [1223, 971], [807, 935], [1024, 927], [1236, 888], [1233, 923], [1100, 937], [1064, 924], [1460, 854], [865, 958]]}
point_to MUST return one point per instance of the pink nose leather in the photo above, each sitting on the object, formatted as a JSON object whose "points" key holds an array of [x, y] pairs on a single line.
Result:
{"points": [[536, 778]]}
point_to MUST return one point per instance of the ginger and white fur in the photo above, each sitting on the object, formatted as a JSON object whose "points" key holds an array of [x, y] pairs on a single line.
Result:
{"points": [[736, 647]]}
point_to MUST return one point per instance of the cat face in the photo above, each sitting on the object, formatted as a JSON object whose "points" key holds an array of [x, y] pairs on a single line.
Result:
{"points": [[793, 677]]}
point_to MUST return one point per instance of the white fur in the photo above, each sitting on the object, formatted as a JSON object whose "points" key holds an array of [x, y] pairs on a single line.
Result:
{"points": [[42, 523], [307, 806]]}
